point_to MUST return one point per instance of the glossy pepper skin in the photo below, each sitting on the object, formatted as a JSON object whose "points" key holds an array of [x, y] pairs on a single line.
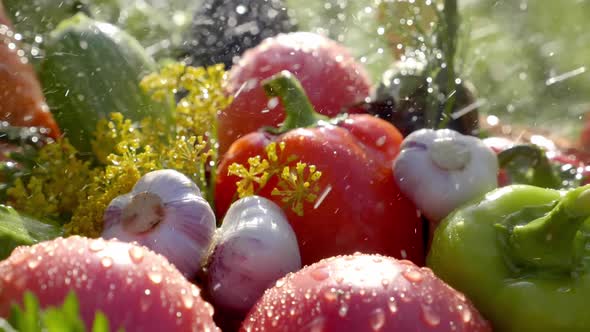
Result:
{"points": [[363, 209], [522, 255]]}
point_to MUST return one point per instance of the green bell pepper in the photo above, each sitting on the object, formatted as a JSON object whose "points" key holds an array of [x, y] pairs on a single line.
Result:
{"points": [[522, 255]]}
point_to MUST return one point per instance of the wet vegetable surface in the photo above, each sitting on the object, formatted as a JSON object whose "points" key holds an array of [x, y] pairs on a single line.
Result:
{"points": [[168, 122]]}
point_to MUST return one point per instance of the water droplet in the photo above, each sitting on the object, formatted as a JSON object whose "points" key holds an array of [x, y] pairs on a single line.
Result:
{"points": [[106, 262], [280, 283], [385, 283], [16, 260], [331, 295], [155, 276], [392, 305], [136, 254], [413, 275], [145, 302], [187, 299], [316, 325], [269, 313], [33, 263], [147, 292], [343, 310], [377, 319], [429, 316], [321, 273], [466, 315], [97, 245]]}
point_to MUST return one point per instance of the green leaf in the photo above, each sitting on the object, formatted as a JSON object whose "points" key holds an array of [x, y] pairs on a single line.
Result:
{"points": [[27, 319], [17, 230], [101, 324], [64, 318]]}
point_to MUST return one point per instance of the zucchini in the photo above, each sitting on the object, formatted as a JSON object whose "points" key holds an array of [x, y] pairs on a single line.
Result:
{"points": [[92, 69]]}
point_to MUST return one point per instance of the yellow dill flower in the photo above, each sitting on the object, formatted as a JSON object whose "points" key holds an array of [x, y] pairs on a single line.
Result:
{"points": [[196, 112], [109, 133], [161, 85], [298, 186], [190, 156], [55, 182], [294, 186], [257, 172]]}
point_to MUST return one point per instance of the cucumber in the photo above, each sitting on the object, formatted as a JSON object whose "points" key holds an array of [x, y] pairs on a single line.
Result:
{"points": [[92, 69], [17, 230]]}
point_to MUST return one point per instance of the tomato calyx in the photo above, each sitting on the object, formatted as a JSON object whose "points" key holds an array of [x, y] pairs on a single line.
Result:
{"points": [[298, 109]]}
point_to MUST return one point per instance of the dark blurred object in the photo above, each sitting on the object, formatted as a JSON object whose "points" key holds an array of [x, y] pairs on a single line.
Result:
{"points": [[18, 150], [224, 29], [403, 99]]}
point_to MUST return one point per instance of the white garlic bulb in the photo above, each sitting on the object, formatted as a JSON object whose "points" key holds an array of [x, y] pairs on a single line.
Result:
{"points": [[255, 247], [165, 212]]}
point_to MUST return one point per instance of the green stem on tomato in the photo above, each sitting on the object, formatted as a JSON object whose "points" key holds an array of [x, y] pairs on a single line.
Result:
{"points": [[298, 108]]}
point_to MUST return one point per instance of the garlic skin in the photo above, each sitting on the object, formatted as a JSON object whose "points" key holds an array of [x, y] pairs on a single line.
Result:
{"points": [[255, 247], [165, 212], [439, 170]]}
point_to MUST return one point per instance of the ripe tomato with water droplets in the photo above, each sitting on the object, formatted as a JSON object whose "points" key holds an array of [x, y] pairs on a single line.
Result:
{"points": [[363, 293], [137, 289], [330, 75]]}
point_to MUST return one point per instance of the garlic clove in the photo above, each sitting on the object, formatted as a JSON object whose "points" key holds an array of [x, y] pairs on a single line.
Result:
{"points": [[255, 247], [167, 185], [439, 170], [166, 213]]}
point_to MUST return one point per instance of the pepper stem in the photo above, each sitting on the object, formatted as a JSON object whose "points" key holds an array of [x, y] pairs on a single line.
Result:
{"points": [[542, 175], [143, 213], [300, 112], [551, 241]]}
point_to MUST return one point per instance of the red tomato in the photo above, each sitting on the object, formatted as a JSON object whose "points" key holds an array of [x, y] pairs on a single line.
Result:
{"points": [[359, 206], [331, 77], [363, 293], [21, 99], [137, 289]]}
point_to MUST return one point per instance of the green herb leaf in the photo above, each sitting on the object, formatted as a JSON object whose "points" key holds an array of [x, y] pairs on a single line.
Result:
{"points": [[17, 230], [53, 319]]}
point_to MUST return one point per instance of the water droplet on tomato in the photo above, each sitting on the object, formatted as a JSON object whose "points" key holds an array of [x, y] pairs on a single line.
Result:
{"points": [[33, 263], [155, 277], [392, 305], [136, 254], [413, 275], [377, 319], [320, 273], [106, 262], [331, 295], [429, 316], [97, 245], [343, 310], [465, 314]]}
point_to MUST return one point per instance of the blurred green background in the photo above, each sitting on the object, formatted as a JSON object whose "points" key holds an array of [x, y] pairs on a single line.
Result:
{"points": [[527, 59]]}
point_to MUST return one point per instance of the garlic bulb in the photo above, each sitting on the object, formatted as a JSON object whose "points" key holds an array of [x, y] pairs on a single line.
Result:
{"points": [[166, 213], [255, 247], [439, 170]]}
